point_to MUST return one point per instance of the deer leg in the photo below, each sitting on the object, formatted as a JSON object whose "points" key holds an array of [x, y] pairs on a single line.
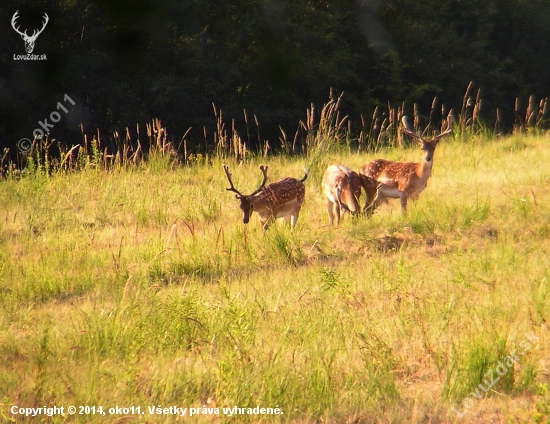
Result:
{"points": [[330, 207], [294, 218], [336, 207], [404, 199]]}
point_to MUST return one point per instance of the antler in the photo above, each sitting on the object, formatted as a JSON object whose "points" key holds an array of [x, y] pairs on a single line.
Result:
{"points": [[36, 32], [262, 185], [232, 188], [449, 130], [13, 19], [407, 131]]}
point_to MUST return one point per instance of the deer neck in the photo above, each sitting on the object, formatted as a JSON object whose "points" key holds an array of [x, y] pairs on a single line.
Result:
{"points": [[262, 205], [425, 169]]}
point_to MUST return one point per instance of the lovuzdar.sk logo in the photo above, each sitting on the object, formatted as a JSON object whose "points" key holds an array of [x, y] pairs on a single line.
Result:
{"points": [[29, 39]]}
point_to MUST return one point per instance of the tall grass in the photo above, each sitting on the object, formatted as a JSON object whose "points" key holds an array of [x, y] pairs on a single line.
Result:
{"points": [[323, 131]]}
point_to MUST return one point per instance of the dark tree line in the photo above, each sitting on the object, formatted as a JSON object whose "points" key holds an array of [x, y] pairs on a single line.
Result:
{"points": [[126, 62]]}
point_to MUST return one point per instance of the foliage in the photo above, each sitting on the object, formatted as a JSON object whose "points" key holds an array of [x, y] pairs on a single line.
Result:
{"points": [[125, 62]]}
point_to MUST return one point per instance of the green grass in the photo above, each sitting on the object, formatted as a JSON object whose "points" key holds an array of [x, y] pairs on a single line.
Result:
{"points": [[143, 287]]}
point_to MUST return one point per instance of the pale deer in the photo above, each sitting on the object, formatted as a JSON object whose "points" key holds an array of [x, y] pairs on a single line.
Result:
{"points": [[282, 199], [342, 189], [404, 180]]}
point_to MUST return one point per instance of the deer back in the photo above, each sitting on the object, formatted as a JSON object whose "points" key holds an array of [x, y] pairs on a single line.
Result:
{"points": [[286, 194], [388, 172]]}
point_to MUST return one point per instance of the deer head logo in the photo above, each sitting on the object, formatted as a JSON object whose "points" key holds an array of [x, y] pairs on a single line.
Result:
{"points": [[29, 40]]}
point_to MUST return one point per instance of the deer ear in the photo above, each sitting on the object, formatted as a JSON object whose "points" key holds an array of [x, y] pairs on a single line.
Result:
{"points": [[237, 196]]}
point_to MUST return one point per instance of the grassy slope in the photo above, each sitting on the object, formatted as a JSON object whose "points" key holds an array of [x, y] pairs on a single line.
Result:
{"points": [[144, 288]]}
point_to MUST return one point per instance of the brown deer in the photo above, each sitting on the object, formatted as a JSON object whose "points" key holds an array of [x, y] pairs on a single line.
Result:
{"points": [[342, 189], [282, 199], [404, 180]]}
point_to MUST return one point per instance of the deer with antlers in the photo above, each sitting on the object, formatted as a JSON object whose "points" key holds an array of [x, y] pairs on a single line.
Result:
{"points": [[404, 180], [282, 199], [342, 189], [29, 40]]}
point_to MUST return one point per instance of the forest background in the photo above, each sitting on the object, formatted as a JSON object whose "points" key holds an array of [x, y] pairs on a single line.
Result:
{"points": [[127, 62]]}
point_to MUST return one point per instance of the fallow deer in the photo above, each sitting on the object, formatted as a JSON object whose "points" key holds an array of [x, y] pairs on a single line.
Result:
{"points": [[342, 189], [404, 180], [282, 199]]}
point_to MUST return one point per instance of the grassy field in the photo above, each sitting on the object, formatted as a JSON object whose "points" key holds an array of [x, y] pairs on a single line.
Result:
{"points": [[142, 287]]}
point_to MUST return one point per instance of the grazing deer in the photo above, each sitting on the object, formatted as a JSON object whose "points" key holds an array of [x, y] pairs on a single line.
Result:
{"points": [[282, 199], [371, 187], [402, 180], [342, 189], [29, 39]]}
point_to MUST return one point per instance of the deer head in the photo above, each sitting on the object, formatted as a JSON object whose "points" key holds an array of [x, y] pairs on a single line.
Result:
{"points": [[246, 203], [29, 40], [428, 145], [372, 188]]}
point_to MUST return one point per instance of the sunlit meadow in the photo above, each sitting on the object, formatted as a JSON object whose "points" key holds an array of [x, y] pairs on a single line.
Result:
{"points": [[141, 286]]}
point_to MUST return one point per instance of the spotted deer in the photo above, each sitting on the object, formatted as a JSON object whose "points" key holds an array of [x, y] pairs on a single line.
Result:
{"points": [[342, 189], [282, 199], [404, 180]]}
